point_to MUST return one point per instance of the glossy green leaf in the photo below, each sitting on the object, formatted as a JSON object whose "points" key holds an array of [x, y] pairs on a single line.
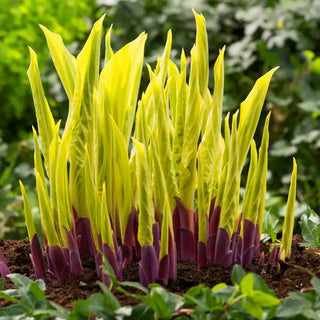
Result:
{"points": [[246, 284], [264, 300], [252, 308], [237, 274]]}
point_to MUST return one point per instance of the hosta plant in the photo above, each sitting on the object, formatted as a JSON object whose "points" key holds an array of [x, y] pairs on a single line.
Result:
{"points": [[126, 173]]}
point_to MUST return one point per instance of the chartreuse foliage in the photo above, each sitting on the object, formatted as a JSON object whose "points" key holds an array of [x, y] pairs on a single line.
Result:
{"points": [[110, 194], [289, 218]]}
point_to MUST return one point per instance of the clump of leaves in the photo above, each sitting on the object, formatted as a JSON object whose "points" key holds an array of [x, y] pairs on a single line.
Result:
{"points": [[247, 296], [310, 229], [28, 300], [111, 194]]}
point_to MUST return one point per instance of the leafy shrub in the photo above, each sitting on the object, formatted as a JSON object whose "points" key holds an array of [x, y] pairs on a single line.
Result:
{"points": [[19, 21], [248, 295]]}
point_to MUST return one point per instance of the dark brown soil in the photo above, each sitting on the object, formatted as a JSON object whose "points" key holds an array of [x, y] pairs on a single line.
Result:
{"points": [[283, 278]]}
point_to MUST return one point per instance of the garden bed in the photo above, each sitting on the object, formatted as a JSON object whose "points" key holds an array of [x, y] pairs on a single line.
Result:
{"points": [[282, 278]]}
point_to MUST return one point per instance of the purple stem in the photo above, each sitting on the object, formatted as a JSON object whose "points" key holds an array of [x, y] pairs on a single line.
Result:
{"points": [[257, 241], [273, 258], [128, 239], [4, 270], [172, 258], [148, 265], [261, 259], [249, 232], [74, 254], [156, 237], [84, 236], [223, 254], [187, 237], [164, 266], [201, 255], [37, 258], [176, 230], [58, 266]]}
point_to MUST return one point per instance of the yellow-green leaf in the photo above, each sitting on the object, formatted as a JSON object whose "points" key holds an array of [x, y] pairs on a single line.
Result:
{"points": [[105, 225], [121, 76], [43, 113], [108, 51], [193, 122], [64, 62], [27, 213], [146, 211], [45, 212], [121, 181], [259, 179], [250, 111], [180, 114], [162, 141], [288, 224], [201, 54], [230, 201]]}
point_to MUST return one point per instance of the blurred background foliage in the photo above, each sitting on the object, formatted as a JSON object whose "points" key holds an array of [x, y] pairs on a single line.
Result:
{"points": [[258, 36]]}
